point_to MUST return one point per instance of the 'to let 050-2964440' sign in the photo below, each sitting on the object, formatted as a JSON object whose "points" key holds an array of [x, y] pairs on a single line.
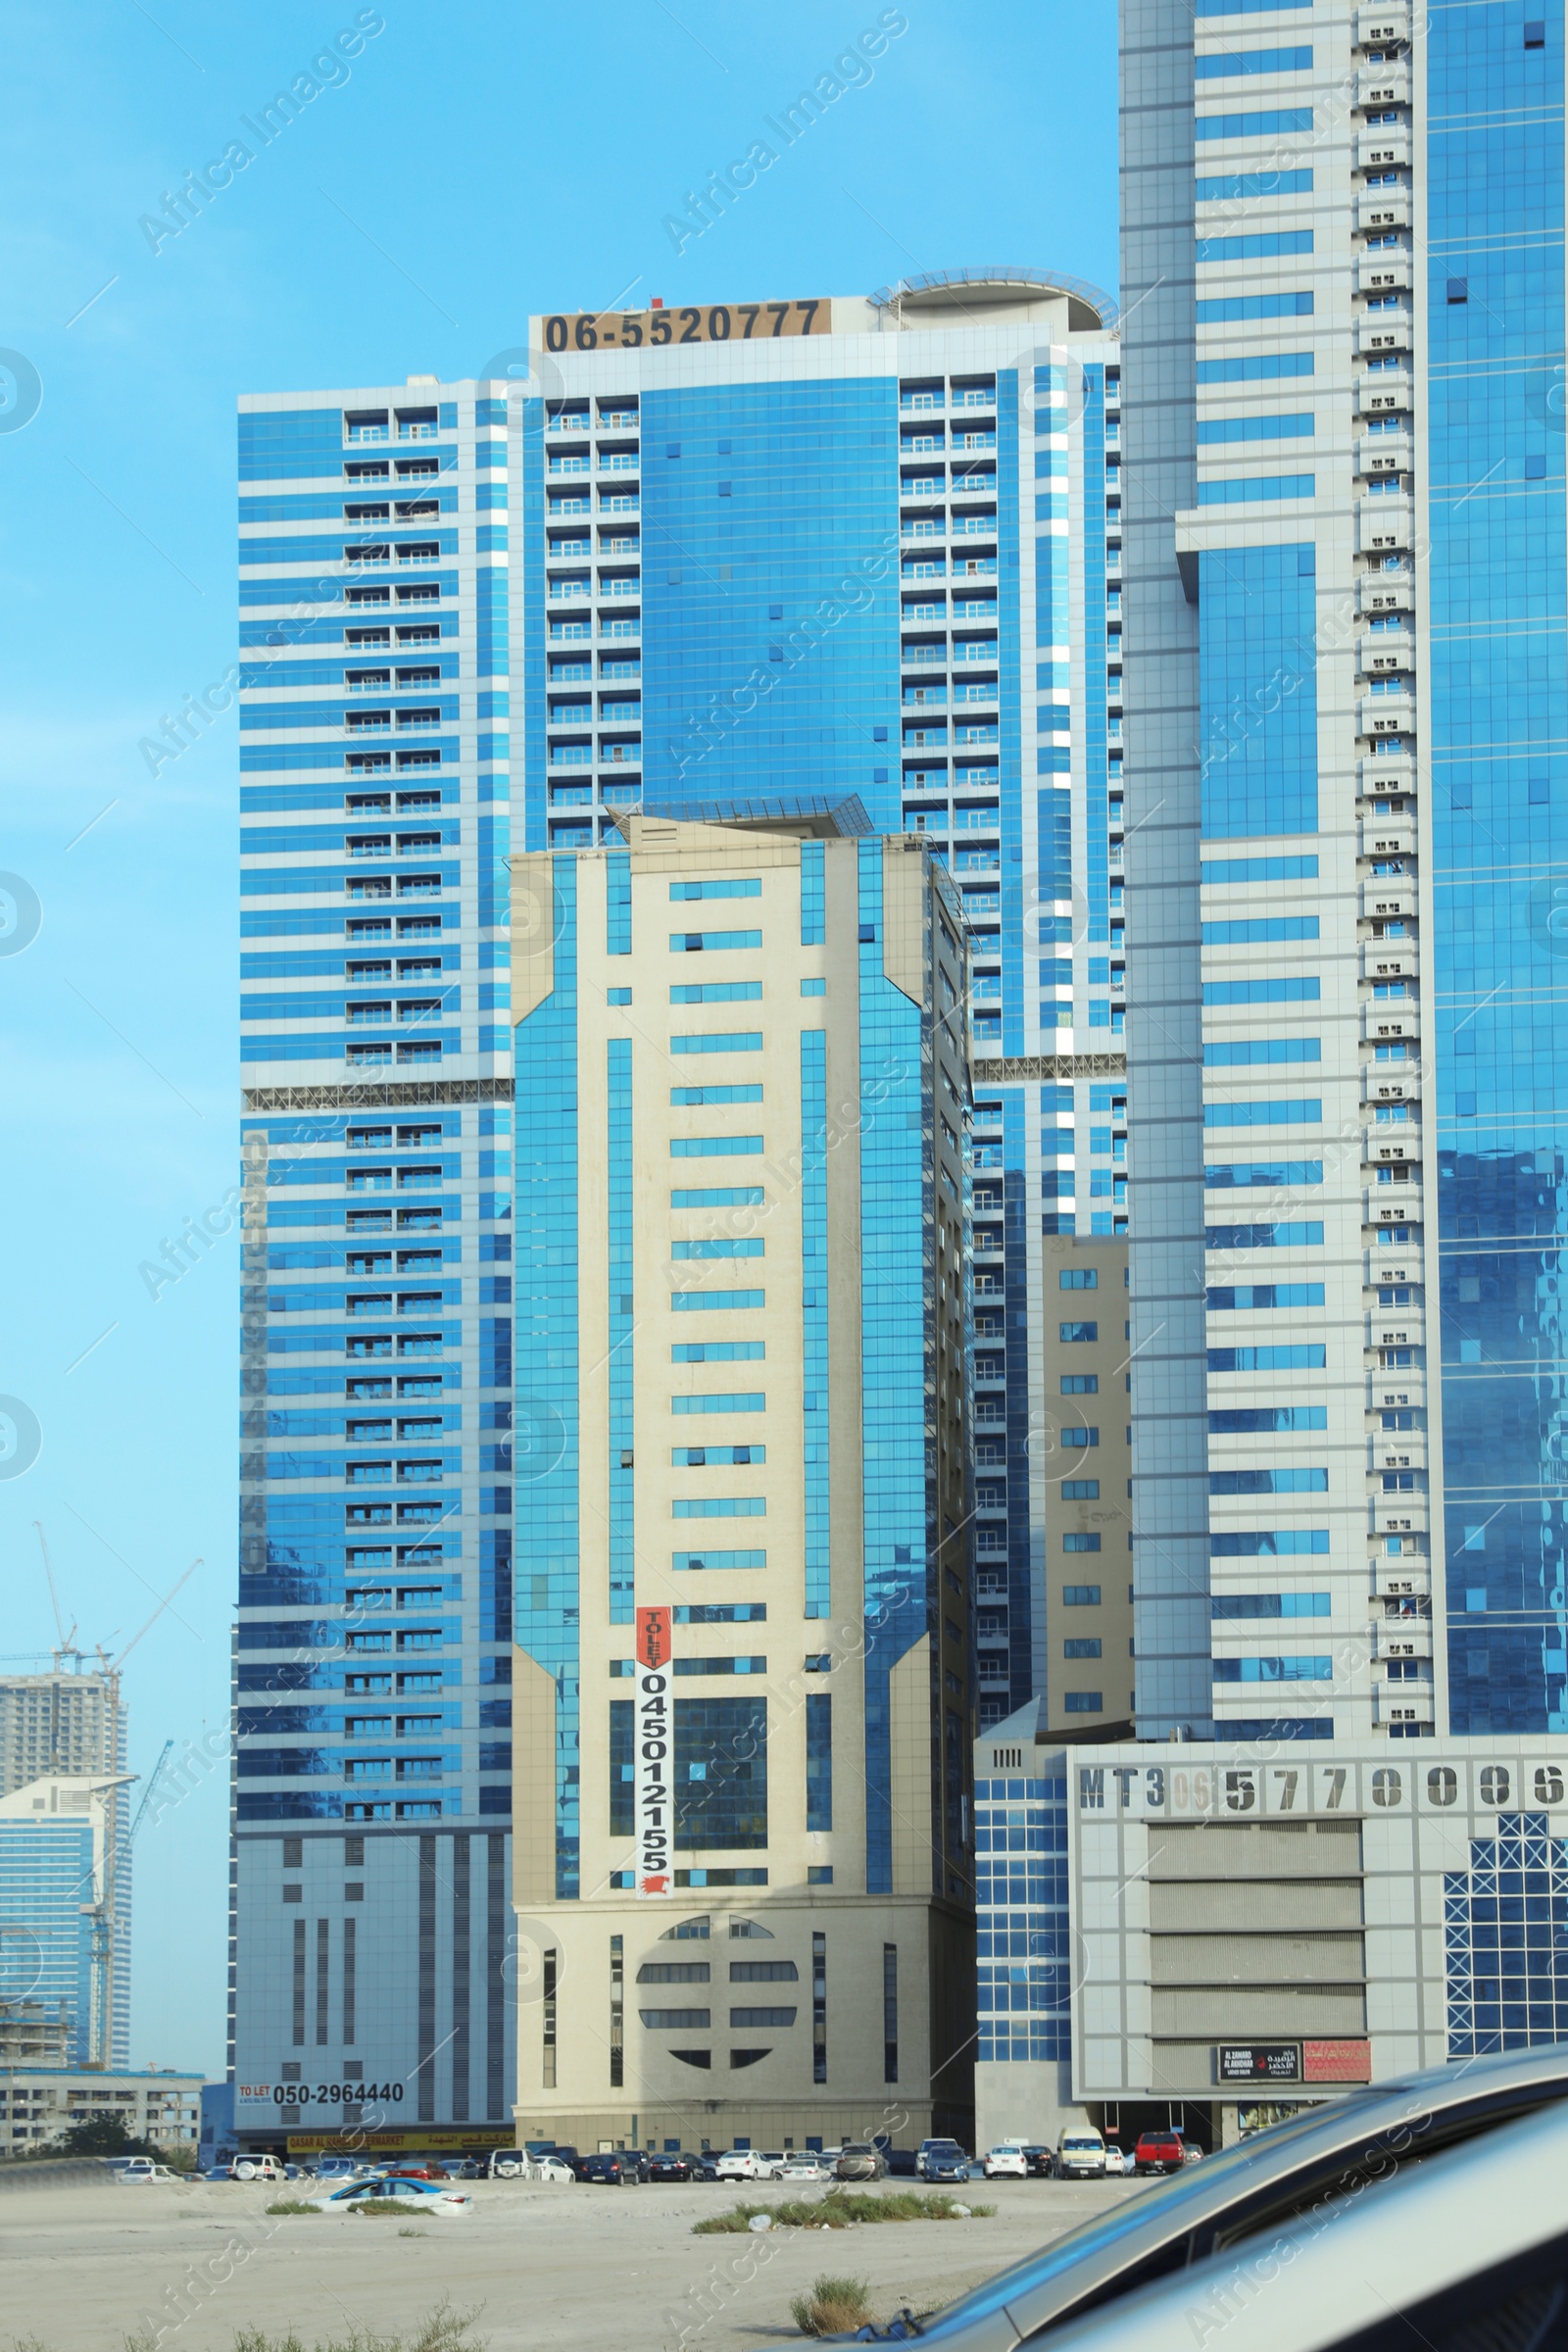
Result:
{"points": [[691, 322]]}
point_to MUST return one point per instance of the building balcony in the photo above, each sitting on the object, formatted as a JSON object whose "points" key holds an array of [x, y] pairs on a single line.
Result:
{"points": [[1401, 1702], [1385, 652], [1383, 525], [1383, 85], [1387, 392], [1386, 714], [1383, 331], [1385, 452], [1378, 147], [1382, 273]]}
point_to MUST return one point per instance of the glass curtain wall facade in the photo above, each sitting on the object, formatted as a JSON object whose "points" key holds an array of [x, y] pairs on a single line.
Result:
{"points": [[873, 550], [373, 1649], [1342, 266]]}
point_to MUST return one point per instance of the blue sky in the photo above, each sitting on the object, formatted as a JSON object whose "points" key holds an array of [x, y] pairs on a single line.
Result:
{"points": [[480, 163]]}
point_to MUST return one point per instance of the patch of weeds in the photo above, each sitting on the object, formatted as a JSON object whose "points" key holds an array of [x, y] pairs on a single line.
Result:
{"points": [[840, 2208], [292, 2205], [443, 2330], [832, 2307]]}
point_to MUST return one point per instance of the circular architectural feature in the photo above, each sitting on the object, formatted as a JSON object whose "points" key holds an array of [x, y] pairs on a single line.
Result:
{"points": [[999, 287]]}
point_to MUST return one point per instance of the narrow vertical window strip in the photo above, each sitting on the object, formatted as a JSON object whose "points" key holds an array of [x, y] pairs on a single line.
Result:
{"points": [[617, 903], [350, 1961], [324, 1982], [618, 2012], [818, 2007], [548, 1533], [813, 1312], [819, 1763], [890, 2013], [623, 1522], [813, 900]]}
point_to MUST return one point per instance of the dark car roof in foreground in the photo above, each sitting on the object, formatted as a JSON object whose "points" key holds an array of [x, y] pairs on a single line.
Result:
{"points": [[1021, 2300], [1363, 2268]]}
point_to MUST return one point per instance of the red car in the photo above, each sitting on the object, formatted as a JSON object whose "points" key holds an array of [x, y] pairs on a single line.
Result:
{"points": [[1158, 2152], [417, 2168]]}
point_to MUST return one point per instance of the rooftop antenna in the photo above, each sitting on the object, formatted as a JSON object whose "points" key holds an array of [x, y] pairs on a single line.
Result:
{"points": [[68, 1641]]}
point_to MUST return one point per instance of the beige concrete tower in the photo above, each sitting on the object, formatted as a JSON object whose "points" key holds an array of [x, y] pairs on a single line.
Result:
{"points": [[744, 1373]]}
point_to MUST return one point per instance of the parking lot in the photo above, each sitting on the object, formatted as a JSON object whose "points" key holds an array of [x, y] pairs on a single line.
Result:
{"points": [[83, 2267]]}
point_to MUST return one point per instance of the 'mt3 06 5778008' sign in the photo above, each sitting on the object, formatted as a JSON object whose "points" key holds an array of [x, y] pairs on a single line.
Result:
{"points": [[656, 1817]]}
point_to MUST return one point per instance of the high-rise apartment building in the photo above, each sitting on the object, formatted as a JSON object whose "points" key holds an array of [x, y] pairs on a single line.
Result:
{"points": [[373, 1649], [744, 1683], [1345, 669], [65, 1924], [871, 546], [1090, 1687], [59, 1724]]}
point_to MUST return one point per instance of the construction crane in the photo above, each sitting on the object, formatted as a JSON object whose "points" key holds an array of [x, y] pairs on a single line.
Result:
{"points": [[66, 1647], [153, 1779]]}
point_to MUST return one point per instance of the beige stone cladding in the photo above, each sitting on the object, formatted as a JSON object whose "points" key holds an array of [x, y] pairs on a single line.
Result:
{"points": [[1089, 1582], [809, 1976]]}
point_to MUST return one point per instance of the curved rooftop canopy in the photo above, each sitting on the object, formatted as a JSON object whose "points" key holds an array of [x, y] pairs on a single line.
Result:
{"points": [[1001, 287]]}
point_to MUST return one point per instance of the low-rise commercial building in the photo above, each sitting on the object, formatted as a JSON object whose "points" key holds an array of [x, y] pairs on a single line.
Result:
{"points": [[1210, 1935], [38, 2105]]}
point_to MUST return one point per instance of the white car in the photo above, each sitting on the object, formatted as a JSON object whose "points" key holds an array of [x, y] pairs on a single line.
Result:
{"points": [[551, 2168], [256, 2168], [749, 2163], [142, 2168], [1117, 2160], [1006, 2162], [424, 2196], [806, 2168]]}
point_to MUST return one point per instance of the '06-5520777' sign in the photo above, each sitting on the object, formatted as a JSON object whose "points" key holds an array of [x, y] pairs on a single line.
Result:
{"points": [[654, 1751]]}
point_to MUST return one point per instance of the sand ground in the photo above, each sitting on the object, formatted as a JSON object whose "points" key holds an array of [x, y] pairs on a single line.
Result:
{"points": [[83, 2267]]}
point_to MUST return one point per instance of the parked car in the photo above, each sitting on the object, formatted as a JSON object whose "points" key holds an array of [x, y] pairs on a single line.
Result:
{"points": [[551, 2169], [338, 2169], [671, 2165], [808, 2167], [620, 2168], [1191, 2153], [1040, 2160], [1266, 2184], [1467, 2250], [1006, 2162], [256, 2168], [142, 2171], [861, 2161], [749, 2163], [429, 2196], [706, 2164], [941, 2160], [416, 2168], [1117, 2160], [902, 2162], [1158, 2152]]}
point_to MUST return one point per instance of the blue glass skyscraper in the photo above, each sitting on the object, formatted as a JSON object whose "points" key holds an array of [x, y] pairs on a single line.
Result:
{"points": [[771, 552], [1346, 670], [373, 1649]]}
